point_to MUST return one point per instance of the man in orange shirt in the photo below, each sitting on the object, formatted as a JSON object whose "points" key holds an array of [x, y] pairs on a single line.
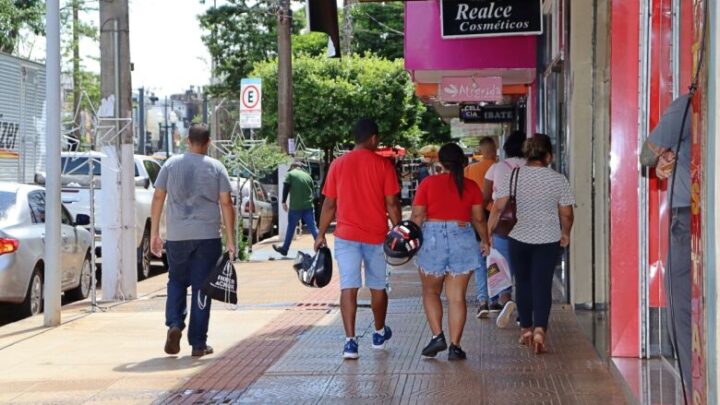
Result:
{"points": [[476, 172], [361, 192]]}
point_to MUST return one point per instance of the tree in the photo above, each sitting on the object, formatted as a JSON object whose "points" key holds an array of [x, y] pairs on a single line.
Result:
{"points": [[435, 130], [378, 28], [240, 33], [331, 94], [19, 15]]}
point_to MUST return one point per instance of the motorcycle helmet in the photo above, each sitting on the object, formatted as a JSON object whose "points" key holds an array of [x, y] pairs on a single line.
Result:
{"points": [[402, 243], [314, 271]]}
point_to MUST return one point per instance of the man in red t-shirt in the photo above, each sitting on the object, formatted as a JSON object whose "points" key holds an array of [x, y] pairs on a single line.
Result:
{"points": [[361, 191]]}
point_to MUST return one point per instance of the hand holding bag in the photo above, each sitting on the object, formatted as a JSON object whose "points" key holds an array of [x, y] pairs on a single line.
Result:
{"points": [[508, 217], [221, 284]]}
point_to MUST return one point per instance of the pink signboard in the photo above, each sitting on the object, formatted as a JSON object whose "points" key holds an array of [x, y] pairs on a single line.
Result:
{"points": [[461, 89]]}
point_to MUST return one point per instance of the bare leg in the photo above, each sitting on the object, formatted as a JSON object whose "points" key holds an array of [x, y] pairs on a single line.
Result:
{"points": [[432, 287], [457, 307], [379, 304], [348, 309]]}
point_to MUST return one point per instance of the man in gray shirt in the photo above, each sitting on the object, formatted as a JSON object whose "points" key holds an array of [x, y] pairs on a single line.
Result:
{"points": [[662, 152], [197, 188]]}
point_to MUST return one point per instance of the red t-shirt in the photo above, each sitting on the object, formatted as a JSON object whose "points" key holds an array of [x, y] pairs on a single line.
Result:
{"points": [[439, 195], [360, 181]]}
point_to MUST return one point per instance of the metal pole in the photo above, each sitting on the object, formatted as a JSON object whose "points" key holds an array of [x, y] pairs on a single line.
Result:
{"points": [[141, 119], [53, 271], [167, 136], [93, 264], [251, 214], [285, 97]]}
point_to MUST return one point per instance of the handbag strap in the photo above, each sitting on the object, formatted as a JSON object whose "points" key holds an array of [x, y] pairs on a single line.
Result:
{"points": [[513, 182]]}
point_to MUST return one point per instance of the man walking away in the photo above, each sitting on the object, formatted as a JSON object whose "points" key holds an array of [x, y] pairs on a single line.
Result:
{"points": [[476, 172], [300, 187], [197, 188], [660, 151], [361, 190]]}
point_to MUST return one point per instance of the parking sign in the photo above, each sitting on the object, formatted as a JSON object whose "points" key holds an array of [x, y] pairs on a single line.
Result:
{"points": [[251, 103]]}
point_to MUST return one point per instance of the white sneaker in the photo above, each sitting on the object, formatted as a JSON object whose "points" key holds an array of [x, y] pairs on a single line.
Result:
{"points": [[505, 315]]}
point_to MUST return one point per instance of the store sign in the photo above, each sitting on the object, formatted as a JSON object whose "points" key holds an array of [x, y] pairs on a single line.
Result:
{"points": [[460, 89], [489, 114], [490, 18]]}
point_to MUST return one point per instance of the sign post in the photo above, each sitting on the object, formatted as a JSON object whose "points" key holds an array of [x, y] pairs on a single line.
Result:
{"points": [[251, 103]]}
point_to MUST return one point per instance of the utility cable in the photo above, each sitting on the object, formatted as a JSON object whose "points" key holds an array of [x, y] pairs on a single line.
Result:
{"points": [[692, 91]]}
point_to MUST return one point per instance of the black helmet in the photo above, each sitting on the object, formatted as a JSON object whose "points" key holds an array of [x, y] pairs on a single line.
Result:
{"points": [[314, 271], [402, 242]]}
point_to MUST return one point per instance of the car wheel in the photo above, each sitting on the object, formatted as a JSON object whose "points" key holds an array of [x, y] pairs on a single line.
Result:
{"points": [[143, 257], [82, 291], [33, 303]]}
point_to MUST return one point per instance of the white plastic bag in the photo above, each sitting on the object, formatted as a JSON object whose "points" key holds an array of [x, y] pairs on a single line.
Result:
{"points": [[498, 272]]}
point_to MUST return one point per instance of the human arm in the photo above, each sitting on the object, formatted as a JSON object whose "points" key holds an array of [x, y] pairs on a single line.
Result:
{"points": [[286, 193], [228, 216], [478, 221], [418, 215], [327, 214], [650, 153], [487, 193], [567, 217], [156, 209], [392, 205]]}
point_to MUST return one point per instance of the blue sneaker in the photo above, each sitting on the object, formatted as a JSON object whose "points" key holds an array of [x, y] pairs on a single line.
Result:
{"points": [[380, 340], [350, 351]]}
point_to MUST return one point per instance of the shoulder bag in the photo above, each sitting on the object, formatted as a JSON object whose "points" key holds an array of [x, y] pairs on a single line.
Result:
{"points": [[508, 217]]}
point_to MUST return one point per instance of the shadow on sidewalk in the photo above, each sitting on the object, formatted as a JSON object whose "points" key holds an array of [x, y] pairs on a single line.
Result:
{"points": [[165, 363]]}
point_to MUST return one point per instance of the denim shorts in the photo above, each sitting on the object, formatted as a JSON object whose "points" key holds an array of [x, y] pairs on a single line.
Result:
{"points": [[351, 257], [448, 248]]}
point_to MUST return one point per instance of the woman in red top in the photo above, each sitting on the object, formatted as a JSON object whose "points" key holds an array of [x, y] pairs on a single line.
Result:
{"points": [[448, 206]]}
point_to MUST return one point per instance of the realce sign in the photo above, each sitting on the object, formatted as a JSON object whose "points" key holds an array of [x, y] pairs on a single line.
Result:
{"points": [[490, 18]]}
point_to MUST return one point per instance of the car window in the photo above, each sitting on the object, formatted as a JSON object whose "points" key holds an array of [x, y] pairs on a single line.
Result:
{"points": [[66, 217], [36, 199], [152, 168], [7, 203], [79, 166]]}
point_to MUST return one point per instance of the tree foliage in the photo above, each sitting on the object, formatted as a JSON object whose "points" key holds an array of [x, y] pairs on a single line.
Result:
{"points": [[378, 29], [239, 34], [19, 15], [331, 94], [259, 159]]}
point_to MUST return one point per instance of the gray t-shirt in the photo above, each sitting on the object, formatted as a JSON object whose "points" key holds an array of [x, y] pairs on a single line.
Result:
{"points": [[193, 183], [666, 135]]}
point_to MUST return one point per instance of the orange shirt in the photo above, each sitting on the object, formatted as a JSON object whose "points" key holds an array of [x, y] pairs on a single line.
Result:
{"points": [[476, 171], [360, 181]]}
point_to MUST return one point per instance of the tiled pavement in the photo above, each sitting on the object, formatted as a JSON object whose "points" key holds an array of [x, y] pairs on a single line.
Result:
{"points": [[296, 359]]}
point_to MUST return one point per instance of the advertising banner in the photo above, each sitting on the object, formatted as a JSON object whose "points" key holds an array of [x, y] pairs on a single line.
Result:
{"points": [[490, 18]]}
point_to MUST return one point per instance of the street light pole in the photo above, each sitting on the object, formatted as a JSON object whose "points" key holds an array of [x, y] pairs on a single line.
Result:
{"points": [[52, 269]]}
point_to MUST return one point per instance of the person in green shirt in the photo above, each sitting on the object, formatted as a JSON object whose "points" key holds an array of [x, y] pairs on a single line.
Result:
{"points": [[300, 187]]}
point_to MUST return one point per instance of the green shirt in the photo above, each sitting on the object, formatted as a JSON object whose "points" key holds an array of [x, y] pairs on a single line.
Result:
{"points": [[302, 189]]}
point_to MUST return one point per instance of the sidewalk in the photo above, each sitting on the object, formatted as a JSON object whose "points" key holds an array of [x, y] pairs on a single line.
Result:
{"points": [[283, 345]]}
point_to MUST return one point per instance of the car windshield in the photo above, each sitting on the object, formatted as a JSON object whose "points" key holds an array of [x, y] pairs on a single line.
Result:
{"points": [[7, 203], [79, 166]]}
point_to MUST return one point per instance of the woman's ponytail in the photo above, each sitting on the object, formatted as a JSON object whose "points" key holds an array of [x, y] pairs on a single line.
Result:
{"points": [[452, 157]]}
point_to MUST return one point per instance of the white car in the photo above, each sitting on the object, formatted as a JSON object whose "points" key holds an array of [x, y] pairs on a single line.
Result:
{"points": [[75, 168], [261, 208]]}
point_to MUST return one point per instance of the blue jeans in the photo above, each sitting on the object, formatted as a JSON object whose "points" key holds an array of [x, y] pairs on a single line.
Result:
{"points": [[352, 257], [448, 249], [481, 287], [502, 245], [190, 263], [307, 216]]}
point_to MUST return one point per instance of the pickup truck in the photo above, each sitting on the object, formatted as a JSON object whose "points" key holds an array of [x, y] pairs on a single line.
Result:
{"points": [[75, 168]]}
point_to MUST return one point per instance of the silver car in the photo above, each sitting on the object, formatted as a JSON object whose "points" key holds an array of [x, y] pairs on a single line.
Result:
{"points": [[22, 249], [263, 220]]}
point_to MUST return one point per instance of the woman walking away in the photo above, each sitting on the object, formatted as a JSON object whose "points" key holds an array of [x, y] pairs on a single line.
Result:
{"points": [[544, 204], [448, 206], [513, 148]]}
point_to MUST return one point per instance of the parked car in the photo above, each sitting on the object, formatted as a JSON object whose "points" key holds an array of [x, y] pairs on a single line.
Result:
{"points": [[22, 248], [263, 218], [75, 168]]}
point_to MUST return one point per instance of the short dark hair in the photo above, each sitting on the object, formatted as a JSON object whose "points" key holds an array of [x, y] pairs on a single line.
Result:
{"points": [[537, 148], [199, 134], [487, 140], [364, 129], [513, 146]]}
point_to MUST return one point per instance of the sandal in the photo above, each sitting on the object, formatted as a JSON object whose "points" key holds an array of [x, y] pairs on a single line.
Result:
{"points": [[526, 336], [538, 340]]}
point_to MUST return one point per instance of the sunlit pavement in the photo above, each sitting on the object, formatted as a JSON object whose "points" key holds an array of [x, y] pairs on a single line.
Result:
{"points": [[282, 345]]}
